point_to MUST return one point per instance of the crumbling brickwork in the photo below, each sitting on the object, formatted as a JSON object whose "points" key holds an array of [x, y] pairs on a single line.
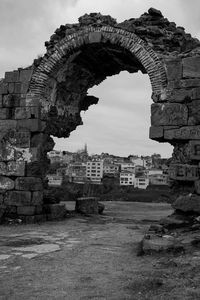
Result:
{"points": [[47, 98]]}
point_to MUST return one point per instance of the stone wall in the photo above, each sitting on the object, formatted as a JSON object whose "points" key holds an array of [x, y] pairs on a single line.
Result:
{"points": [[47, 98]]}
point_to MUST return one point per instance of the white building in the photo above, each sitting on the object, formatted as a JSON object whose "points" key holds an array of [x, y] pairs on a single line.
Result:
{"points": [[54, 180], [127, 178], [94, 171], [127, 167], [110, 168], [139, 161], [154, 172], [141, 182]]}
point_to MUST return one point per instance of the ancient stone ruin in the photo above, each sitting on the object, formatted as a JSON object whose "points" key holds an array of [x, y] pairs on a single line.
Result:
{"points": [[47, 97]]}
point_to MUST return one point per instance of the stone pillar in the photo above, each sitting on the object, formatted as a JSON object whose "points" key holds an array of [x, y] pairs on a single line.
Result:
{"points": [[175, 118], [21, 127]]}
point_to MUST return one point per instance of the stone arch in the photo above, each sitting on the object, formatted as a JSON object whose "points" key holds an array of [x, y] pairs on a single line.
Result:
{"points": [[47, 98], [90, 34]]}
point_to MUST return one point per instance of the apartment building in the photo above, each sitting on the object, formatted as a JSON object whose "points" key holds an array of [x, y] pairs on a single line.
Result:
{"points": [[127, 178], [110, 168], [76, 172], [125, 166], [141, 182], [94, 171]]}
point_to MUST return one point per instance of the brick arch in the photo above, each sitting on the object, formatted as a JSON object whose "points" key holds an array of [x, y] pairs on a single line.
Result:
{"points": [[130, 41]]}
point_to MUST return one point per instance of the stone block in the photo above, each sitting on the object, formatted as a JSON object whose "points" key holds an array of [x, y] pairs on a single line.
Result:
{"points": [[11, 87], [24, 87], [194, 112], [32, 125], [27, 113], [28, 210], [32, 100], [36, 154], [180, 95], [18, 87], [25, 75], [194, 152], [3, 87], [6, 183], [16, 168], [156, 132], [27, 219], [160, 244], [168, 114], [4, 113], [189, 203], [19, 139], [1, 199], [87, 205], [36, 168], [11, 211], [197, 186], [37, 198], [6, 125], [187, 83], [18, 198], [28, 183], [12, 76], [183, 133], [196, 93], [40, 218], [38, 209], [3, 168], [95, 37], [55, 211], [183, 172], [191, 67], [11, 101], [174, 68]]}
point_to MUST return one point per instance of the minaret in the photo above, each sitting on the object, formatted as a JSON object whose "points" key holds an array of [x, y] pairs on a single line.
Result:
{"points": [[85, 149]]}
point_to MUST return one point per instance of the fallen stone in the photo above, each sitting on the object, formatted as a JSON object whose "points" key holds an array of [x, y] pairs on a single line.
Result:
{"points": [[101, 208], [87, 205], [161, 244], [2, 213], [175, 221], [189, 204], [156, 228], [55, 211]]}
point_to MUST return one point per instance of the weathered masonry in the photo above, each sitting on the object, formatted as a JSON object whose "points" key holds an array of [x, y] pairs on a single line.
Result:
{"points": [[47, 98]]}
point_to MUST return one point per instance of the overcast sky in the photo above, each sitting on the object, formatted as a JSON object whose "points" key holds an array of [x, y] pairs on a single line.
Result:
{"points": [[119, 124]]}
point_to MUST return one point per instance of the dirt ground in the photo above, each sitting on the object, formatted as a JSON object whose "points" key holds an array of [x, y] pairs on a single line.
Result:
{"points": [[94, 258]]}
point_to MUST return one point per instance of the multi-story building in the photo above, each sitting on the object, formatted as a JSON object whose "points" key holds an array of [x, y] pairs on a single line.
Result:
{"points": [[141, 182], [159, 179], [94, 171], [110, 168], [127, 178], [127, 166], [55, 156], [76, 172]]}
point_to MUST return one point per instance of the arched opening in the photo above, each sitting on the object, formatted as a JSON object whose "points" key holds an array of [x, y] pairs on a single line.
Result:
{"points": [[120, 123]]}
